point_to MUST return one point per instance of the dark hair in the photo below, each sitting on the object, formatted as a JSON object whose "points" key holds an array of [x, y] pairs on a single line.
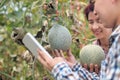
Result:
{"points": [[88, 9]]}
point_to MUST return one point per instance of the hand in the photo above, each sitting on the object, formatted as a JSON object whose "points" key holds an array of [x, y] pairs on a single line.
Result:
{"points": [[92, 68], [47, 62], [69, 58]]}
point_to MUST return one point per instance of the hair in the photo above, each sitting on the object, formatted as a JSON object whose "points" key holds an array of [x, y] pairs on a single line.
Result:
{"points": [[88, 9]]}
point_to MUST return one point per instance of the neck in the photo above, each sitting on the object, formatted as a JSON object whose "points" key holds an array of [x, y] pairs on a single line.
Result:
{"points": [[118, 14], [118, 21], [104, 42]]}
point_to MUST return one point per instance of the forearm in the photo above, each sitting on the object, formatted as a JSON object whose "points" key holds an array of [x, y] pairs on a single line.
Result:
{"points": [[63, 71]]}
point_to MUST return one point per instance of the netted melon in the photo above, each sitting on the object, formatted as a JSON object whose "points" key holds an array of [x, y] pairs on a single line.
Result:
{"points": [[91, 54], [59, 37]]}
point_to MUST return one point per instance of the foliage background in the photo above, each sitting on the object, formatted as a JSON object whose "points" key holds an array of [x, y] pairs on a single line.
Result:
{"points": [[15, 62]]}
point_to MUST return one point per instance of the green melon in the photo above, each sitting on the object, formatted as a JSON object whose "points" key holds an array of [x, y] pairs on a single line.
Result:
{"points": [[59, 37], [91, 54]]}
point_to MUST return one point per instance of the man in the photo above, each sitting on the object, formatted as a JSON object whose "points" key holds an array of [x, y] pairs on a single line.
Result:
{"points": [[108, 13]]}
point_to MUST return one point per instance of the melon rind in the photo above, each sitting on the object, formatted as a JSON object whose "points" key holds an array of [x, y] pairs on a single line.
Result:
{"points": [[59, 37], [91, 54]]}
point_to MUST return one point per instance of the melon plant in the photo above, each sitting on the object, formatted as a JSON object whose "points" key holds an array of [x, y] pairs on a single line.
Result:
{"points": [[91, 54], [59, 37]]}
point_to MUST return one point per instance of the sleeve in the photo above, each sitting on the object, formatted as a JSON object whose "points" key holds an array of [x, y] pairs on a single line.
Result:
{"points": [[62, 71], [113, 67]]}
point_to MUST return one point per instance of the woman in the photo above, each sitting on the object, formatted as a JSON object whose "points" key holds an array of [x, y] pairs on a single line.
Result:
{"points": [[102, 34]]}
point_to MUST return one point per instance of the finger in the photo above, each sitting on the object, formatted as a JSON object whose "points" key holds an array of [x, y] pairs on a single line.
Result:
{"points": [[91, 67], [53, 53], [85, 66], [69, 55], [56, 53], [40, 58], [96, 68], [44, 59], [43, 55], [61, 53], [69, 52]]}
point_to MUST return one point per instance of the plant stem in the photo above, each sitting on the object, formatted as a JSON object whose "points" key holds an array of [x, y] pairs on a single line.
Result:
{"points": [[7, 75], [2, 3]]}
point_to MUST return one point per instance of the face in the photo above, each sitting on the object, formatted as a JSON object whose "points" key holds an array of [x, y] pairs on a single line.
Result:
{"points": [[105, 11], [97, 27]]}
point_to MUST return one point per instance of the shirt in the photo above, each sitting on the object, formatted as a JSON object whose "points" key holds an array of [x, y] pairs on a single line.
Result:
{"points": [[110, 67]]}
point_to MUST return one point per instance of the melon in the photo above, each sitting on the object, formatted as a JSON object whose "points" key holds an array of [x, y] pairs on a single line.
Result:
{"points": [[91, 54], [59, 37]]}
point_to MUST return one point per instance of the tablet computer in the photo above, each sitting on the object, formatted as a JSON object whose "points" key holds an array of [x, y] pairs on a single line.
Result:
{"points": [[32, 45]]}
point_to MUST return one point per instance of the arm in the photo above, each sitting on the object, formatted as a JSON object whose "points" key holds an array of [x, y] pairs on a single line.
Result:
{"points": [[71, 61], [61, 70]]}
